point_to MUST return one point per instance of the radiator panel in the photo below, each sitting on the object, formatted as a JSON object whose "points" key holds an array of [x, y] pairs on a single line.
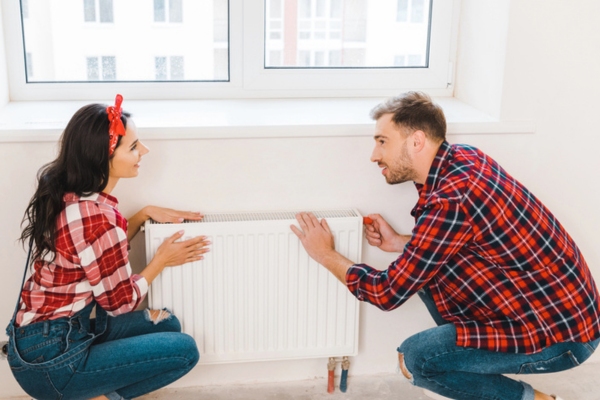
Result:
{"points": [[257, 295]]}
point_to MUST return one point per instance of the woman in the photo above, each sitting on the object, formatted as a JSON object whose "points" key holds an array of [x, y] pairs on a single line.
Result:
{"points": [[80, 260]]}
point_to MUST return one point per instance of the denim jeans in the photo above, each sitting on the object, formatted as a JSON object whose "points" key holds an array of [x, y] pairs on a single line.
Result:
{"points": [[119, 357], [436, 363]]}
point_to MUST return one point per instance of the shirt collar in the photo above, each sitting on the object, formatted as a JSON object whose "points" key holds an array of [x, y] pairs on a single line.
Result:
{"points": [[95, 197], [442, 158]]}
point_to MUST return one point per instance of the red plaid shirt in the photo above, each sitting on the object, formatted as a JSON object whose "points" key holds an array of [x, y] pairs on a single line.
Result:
{"points": [[91, 263], [499, 265]]}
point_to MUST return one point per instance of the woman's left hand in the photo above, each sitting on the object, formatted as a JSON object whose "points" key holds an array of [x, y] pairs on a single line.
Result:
{"points": [[160, 214]]}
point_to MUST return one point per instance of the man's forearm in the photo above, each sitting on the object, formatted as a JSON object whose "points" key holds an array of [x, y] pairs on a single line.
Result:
{"points": [[337, 264]]}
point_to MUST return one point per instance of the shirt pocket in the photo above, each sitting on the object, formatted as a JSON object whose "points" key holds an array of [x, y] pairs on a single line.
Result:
{"points": [[561, 362]]}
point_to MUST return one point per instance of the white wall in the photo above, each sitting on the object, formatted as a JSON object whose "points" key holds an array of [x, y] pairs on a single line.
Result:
{"points": [[551, 58]]}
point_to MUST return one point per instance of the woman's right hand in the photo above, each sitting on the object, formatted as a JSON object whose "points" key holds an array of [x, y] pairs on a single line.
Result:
{"points": [[171, 252], [380, 234]]}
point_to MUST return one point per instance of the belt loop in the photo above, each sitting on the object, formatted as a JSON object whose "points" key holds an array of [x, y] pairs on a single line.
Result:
{"points": [[46, 328]]}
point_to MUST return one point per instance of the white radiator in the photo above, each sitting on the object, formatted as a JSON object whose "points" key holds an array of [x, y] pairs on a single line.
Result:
{"points": [[257, 295]]}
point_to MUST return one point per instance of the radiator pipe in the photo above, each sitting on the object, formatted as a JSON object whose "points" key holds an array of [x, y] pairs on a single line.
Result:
{"points": [[344, 378], [330, 375]]}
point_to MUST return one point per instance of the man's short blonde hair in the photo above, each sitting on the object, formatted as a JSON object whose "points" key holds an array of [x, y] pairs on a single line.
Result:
{"points": [[414, 111]]}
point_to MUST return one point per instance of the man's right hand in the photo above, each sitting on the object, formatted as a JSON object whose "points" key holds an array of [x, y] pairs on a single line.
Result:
{"points": [[380, 234]]}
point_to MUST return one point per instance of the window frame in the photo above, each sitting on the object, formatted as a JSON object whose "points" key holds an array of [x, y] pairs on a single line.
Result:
{"points": [[247, 76]]}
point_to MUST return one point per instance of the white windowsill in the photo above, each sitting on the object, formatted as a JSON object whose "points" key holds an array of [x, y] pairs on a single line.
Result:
{"points": [[246, 118]]}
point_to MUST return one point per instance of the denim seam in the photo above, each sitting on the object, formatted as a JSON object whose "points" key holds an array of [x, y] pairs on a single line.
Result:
{"points": [[59, 394], [526, 366], [135, 363], [52, 364], [590, 348], [40, 345]]}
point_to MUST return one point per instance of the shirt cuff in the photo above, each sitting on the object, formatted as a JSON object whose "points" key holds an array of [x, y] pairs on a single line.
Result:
{"points": [[141, 283], [354, 276]]}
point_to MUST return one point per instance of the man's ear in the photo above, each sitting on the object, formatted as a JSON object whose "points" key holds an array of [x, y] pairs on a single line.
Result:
{"points": [[418, 139]]}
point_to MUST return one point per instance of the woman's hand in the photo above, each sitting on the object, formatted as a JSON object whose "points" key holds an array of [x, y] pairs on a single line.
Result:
{"points": [[160, 214], [380, 234], [171, 253]]}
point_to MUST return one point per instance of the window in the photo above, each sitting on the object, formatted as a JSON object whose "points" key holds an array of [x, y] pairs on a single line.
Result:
{"points": [[417, 9], [168, 10], [29, 64], [169, 68], [228, 48], [92, 9], [101, 68], [25, 8]]}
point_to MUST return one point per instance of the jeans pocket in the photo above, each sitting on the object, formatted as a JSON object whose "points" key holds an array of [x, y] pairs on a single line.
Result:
{"points": [[561, 362], [40, 347]]}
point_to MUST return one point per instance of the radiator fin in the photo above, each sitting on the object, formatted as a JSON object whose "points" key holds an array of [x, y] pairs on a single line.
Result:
{"points": [[257, 295]]}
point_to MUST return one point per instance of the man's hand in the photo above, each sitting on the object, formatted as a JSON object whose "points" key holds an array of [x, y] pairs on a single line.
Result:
{"points": [[380, 234], [317, 239]]}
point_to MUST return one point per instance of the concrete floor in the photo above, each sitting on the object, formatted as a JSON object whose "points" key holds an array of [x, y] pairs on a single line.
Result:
{"points": [[581, 383]]}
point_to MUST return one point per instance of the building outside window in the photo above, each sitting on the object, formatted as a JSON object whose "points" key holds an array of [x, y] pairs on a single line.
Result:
{"points": [[98, 11], [168, 11], [101, 68], [266, 39], [169, 68]]}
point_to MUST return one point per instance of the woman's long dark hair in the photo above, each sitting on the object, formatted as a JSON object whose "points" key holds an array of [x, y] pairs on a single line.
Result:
{"points": [[82, 167]]}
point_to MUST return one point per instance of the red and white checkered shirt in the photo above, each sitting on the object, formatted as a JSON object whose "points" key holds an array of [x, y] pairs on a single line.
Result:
{"points": [[91, 262], [499, 265]]}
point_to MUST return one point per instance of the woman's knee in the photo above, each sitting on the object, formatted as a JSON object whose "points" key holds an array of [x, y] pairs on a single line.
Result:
{"points": [[167, 320]]}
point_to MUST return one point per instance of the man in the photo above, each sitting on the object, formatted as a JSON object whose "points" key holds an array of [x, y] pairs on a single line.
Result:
{"points": [[506, 284]]}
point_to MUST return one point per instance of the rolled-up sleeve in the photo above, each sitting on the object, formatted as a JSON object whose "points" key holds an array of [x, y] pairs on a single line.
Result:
{"points": [[105, 261], [440, 231]]}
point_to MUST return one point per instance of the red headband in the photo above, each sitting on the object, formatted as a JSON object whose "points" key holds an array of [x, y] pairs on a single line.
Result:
{"points": [[116, 127]]}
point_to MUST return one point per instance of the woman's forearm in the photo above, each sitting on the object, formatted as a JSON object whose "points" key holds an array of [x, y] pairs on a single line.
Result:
{"points": [[135, 222]]}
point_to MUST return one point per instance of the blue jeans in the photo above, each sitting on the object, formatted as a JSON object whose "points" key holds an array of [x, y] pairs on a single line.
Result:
{"points": [[438, 364], [119, 357]]}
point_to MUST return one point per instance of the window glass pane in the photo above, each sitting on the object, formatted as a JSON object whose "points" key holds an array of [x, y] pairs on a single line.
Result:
{"points": [[29, 64], [221, 27], [106, 10], [89, 10], [177, 68], [159, 11], [62, 46], [417, 12], [402, 12], [304, 8], [160, 68], [221, 66], [275, 9], [109, 68], [25, 8], [93, 70], [338, 28], [175, 11]]}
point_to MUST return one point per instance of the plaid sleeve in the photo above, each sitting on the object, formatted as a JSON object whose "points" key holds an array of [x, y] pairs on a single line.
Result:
{"points": [[105, 260], [440, 231]]}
